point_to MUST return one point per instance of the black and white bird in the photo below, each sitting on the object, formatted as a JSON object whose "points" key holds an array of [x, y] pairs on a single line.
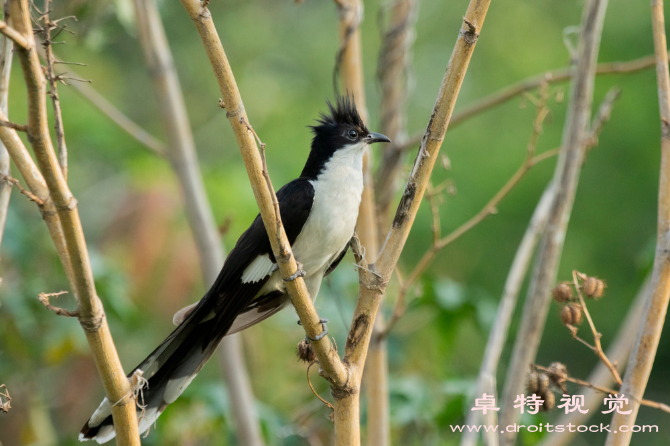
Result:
{"points": [[319, 212]]}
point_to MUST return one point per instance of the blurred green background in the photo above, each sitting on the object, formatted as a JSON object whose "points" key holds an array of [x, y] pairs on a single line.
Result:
{"points": [[283, 55]]}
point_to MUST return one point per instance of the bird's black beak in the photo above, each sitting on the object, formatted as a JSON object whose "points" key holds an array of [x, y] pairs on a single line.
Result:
{"points": [[376, 137]]}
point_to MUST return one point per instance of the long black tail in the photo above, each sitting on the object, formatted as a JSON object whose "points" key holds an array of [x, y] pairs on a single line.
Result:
{"points": [[169, 370]]}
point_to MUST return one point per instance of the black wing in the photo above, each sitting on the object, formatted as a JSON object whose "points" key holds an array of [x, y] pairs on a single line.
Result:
{"points": [[336, 261], [229, 296]]}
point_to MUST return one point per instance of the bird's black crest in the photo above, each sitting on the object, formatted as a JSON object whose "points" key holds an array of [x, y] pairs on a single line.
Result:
{"points": [[344, 112]]}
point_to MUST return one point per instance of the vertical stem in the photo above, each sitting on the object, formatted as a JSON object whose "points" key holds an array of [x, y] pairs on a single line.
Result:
{"points": [[566, 178], [53, 90], [391, 72], [644, 351], [90, 311], [182, 155], [6, 47]]}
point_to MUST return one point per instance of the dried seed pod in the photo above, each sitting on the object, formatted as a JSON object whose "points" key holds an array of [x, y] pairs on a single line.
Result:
{"points": [[571, 314], [593, 287], [532, 382], [549, 401], [562, 292], [558, 374], [305, 352]]}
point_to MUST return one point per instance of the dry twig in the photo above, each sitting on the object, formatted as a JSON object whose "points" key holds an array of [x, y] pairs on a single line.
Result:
{"points": [[618, 353], [183, 158], [53, 80], [44, 298], [344, 376], [644, 351], [488, 209], [69, 233], [6, 47], [601, 389], [597, 347], [565, 180], [510, 92]]}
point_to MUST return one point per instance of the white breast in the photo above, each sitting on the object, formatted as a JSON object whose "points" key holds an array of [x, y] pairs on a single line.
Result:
{"points": [[331, 223]]}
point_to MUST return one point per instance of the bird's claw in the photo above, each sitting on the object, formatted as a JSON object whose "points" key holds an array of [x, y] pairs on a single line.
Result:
{"points": [[324, 325], [299, 273]]}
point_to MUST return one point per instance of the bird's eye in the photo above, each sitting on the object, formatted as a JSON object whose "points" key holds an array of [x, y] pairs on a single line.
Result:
{"points": [[352, 134]]}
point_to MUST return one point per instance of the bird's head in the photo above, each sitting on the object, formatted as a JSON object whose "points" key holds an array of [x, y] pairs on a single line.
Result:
{"points": [[340, 131]]}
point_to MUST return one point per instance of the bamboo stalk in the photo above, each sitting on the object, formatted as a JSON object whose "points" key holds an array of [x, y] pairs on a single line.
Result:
{"points": [[90, 311], [644, 351], [374, 278], [331, 367], [183, 158], [566, 178], [618, 352], [6, 47]]}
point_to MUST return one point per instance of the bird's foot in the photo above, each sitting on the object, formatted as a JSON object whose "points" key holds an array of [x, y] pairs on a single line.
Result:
{"points": [[324, 325], [299, 273]]}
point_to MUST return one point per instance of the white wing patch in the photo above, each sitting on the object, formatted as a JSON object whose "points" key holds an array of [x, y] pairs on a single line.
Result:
{"points": [[257, 270]]}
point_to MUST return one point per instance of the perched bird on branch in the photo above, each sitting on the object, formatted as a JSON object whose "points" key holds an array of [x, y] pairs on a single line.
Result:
{"points": [[319, 212]]}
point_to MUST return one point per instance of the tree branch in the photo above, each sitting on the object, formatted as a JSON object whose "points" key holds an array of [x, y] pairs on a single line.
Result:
{"points": [[6, 48], [331, 366], [18, 38], [565, 179], [183, 158], [531, 83], [374, 278], [488, 209], [644, 351], [91, 313]]}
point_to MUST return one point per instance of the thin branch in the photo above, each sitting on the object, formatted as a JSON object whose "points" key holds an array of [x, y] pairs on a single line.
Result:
{"points": [[488, 209], [147, 140], [6, 51], [53, 79], [332, 367], [16, 37], [601, 389], [129, 126], [393, 70], [14, 182], [646, 344], [597, 347], [531, 83], [91, 312], [618, 353], [373, 282], [183, 158], [44, 298], [565, 179], [18, 127]]}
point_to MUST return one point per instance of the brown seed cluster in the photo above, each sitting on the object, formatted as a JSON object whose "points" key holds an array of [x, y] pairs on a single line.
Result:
{"points": [[538, 384], [593, 288], [564, 293], [305, 352], [571, 314]]}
